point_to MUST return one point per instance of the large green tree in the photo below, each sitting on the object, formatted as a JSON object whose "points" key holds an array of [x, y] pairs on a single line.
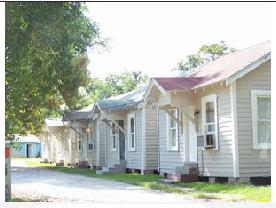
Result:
{"points": [[46, 45], [205, 54]]}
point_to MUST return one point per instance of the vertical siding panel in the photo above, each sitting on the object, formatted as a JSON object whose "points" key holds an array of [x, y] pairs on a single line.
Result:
{"points": [[151, 138], [134, 158]]}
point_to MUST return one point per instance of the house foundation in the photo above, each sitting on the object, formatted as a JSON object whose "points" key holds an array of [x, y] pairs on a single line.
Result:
{"points": [[242, 180], [190, 176], [83, 164]]}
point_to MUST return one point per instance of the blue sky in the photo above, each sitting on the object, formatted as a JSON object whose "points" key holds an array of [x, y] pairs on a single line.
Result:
{"points": [[153, 37]]}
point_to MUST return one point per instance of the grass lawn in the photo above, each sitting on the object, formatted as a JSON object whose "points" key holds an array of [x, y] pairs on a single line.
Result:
{"points": [[201, 190], [16, 199], [247, 192]]}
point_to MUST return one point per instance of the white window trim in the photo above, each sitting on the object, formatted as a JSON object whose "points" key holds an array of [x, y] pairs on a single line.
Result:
{"points": [[254, 109], [169, 147], [204, 100], [116, 139], [130, 116]]}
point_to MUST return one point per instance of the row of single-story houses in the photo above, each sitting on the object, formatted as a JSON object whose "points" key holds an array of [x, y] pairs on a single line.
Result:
{"points": [[213, 123]]}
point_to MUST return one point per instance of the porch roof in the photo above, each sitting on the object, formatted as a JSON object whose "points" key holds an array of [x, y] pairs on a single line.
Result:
{"points": [[178, 83], [53, 122], [83, 114]]}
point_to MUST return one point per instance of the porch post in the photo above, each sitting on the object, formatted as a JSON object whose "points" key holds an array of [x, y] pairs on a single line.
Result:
{"points": [[185, 135]]}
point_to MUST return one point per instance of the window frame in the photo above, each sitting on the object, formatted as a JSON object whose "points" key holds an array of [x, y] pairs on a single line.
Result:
{"points": [[114, 136], [169, 128], [255, 94], [204, 100], [80, 145], [129, 133], [90, 141]]}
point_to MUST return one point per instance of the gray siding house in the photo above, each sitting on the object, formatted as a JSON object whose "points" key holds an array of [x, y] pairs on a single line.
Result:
{"points": [[215, 121], [127, 133], [79, 132]]}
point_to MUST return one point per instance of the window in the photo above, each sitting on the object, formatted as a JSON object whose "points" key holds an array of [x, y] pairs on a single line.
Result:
{"points": [[261, 119], [90, 146], [172, 131], [114, 137], [80, 145], [131, 132], [209, 121]]}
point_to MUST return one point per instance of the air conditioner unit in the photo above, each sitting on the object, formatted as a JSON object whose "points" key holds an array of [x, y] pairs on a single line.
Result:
{"points": [[209, 141]]}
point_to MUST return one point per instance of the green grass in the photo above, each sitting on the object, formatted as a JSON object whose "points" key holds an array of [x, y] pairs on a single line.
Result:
{"points": [[205, 196], [16, 199], [246, 192], [199, 189]]}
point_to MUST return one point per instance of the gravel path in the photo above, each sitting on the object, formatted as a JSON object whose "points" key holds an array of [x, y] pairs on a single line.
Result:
{"points": [[49, 185]]}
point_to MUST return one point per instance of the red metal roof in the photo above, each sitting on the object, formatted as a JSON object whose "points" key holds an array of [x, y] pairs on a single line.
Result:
{"points": [[227, 65], [218, 70], [177, 83]]}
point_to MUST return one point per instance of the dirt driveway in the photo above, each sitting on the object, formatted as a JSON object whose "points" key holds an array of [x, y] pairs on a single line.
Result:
{"points": [[48, 185]]}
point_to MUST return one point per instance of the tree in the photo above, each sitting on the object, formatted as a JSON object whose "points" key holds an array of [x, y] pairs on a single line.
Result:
{"points": [[112, 85], [205, 54], [214, 51], [46, 45], [125, 82]]}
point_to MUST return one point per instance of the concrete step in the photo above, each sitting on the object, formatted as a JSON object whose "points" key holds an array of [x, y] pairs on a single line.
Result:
{"points": [[117, 170]]}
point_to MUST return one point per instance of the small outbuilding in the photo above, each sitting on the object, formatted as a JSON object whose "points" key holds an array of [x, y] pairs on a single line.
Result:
{"points": [[26, 147]]}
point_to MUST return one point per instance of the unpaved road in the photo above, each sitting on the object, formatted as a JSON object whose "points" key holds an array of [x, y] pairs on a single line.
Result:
{"points": [[48, 185]]}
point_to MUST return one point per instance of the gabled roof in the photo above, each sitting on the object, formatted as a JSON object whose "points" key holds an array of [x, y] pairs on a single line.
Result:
{"points": [[82, 114], [28, 139], [125, 101], [227, 68], [230, 64]]}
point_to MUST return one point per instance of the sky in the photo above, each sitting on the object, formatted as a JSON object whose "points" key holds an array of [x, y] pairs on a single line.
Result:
{"points": [[153, 37]]}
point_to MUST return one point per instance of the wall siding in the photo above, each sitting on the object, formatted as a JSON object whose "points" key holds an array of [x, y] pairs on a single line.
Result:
{"points": [[151, 152], [169, 160], [101, 145], [134, 158], [112, 156], [217, 163], [251, 162]]}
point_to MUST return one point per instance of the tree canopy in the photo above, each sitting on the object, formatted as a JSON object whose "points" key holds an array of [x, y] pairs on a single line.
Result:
{"points": [[205, 54], [46, 45], [112, 85]]}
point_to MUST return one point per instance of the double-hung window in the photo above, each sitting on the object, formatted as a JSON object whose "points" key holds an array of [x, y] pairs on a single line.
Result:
{"points": [[131, 132], [172, 131], [114, 137], [209, 121], [261, 118]]}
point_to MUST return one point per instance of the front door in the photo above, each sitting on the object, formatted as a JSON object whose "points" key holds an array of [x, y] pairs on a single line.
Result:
{"points": [[29, 150], [121, 141]]}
